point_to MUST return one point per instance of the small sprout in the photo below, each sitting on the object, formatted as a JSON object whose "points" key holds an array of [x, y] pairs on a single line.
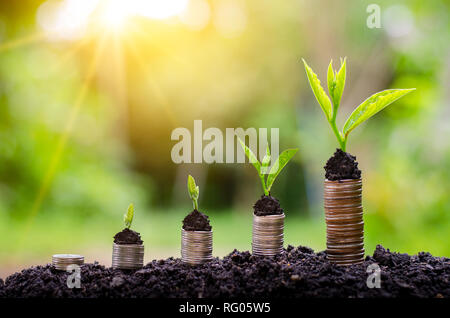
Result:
{"points": [[263, 167], [128, 216], [193, 191], [336, 83]]}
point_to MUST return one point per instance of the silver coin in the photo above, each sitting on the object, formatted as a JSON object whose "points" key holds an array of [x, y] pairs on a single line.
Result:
{"points": [[268, 235], [62, 261], [344, 220], [196, 246], [128, 256], [348, 262]]}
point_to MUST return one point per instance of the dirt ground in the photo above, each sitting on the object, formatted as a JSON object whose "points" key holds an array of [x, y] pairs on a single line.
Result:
{"points": [[297, 272]]}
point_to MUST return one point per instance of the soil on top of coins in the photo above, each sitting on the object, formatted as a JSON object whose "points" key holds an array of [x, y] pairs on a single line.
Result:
{"points": [[267, 205], [127, 236], [196, 221], [342, 165], [296, 272]]}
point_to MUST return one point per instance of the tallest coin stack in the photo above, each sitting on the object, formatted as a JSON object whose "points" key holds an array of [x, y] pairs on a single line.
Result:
{"points": [[344, 219]]}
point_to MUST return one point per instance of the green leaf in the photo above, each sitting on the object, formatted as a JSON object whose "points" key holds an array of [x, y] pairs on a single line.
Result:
{"points": [[336, 83], [331, 79], [278, 165], [265, 163], [339, 85], [254, 161], [193, 190], [128, 216], [371, 106], [321, 96], [251, 156]]}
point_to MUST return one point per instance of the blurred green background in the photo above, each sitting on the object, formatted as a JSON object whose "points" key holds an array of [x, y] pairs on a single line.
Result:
{"points": [[90, 92]]}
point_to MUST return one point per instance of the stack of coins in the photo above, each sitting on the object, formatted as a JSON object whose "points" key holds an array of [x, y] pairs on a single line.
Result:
{"points": [[196, 246], [128, 256], [62, 261], [268, 234], [344, 218]]}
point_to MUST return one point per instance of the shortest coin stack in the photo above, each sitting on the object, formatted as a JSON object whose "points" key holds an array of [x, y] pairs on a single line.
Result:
{"points": [[128, 256], [62, 261], [196, 246], [268, 234], [344, 218]]}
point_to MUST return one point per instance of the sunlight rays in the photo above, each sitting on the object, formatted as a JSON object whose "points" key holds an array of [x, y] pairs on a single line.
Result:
{"points": [[119, 84], [159, 95], [22, 41], [114, 72], [50, 173], [71, 53], [137, 31]]}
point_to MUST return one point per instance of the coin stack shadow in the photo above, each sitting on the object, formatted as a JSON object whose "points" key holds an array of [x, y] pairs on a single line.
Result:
{"points": [[128, 256], [196, 246], [62, 261], [268, 234], [344, 219]]}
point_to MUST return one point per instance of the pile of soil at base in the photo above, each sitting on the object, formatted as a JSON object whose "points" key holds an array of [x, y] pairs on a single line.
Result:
{"points": [[196, 221], [127, 236], [342, 165], [297, 272], [267, 205]]}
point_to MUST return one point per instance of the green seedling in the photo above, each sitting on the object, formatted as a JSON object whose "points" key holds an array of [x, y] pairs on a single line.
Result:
{"points": [[336, 83], [263, 166], [128, 216], [193, 191]]}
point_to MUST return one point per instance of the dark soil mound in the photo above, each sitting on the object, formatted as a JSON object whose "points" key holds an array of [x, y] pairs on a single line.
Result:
{"points": [[127, 236], [196, 221], [297, 272], [267, 205], [342, 165]]}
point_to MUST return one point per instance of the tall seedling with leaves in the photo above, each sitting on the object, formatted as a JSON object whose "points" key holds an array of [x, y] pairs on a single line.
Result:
{"points": [[268, 177], [336, 83]]}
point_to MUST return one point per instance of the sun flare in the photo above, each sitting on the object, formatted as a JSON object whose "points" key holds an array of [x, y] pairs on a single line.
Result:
{"points": [[70, 19]]}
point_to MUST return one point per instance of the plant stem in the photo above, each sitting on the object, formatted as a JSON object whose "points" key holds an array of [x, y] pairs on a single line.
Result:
{"points": [[195, 204], [344, 143], [263, 182], [341, 140]]}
